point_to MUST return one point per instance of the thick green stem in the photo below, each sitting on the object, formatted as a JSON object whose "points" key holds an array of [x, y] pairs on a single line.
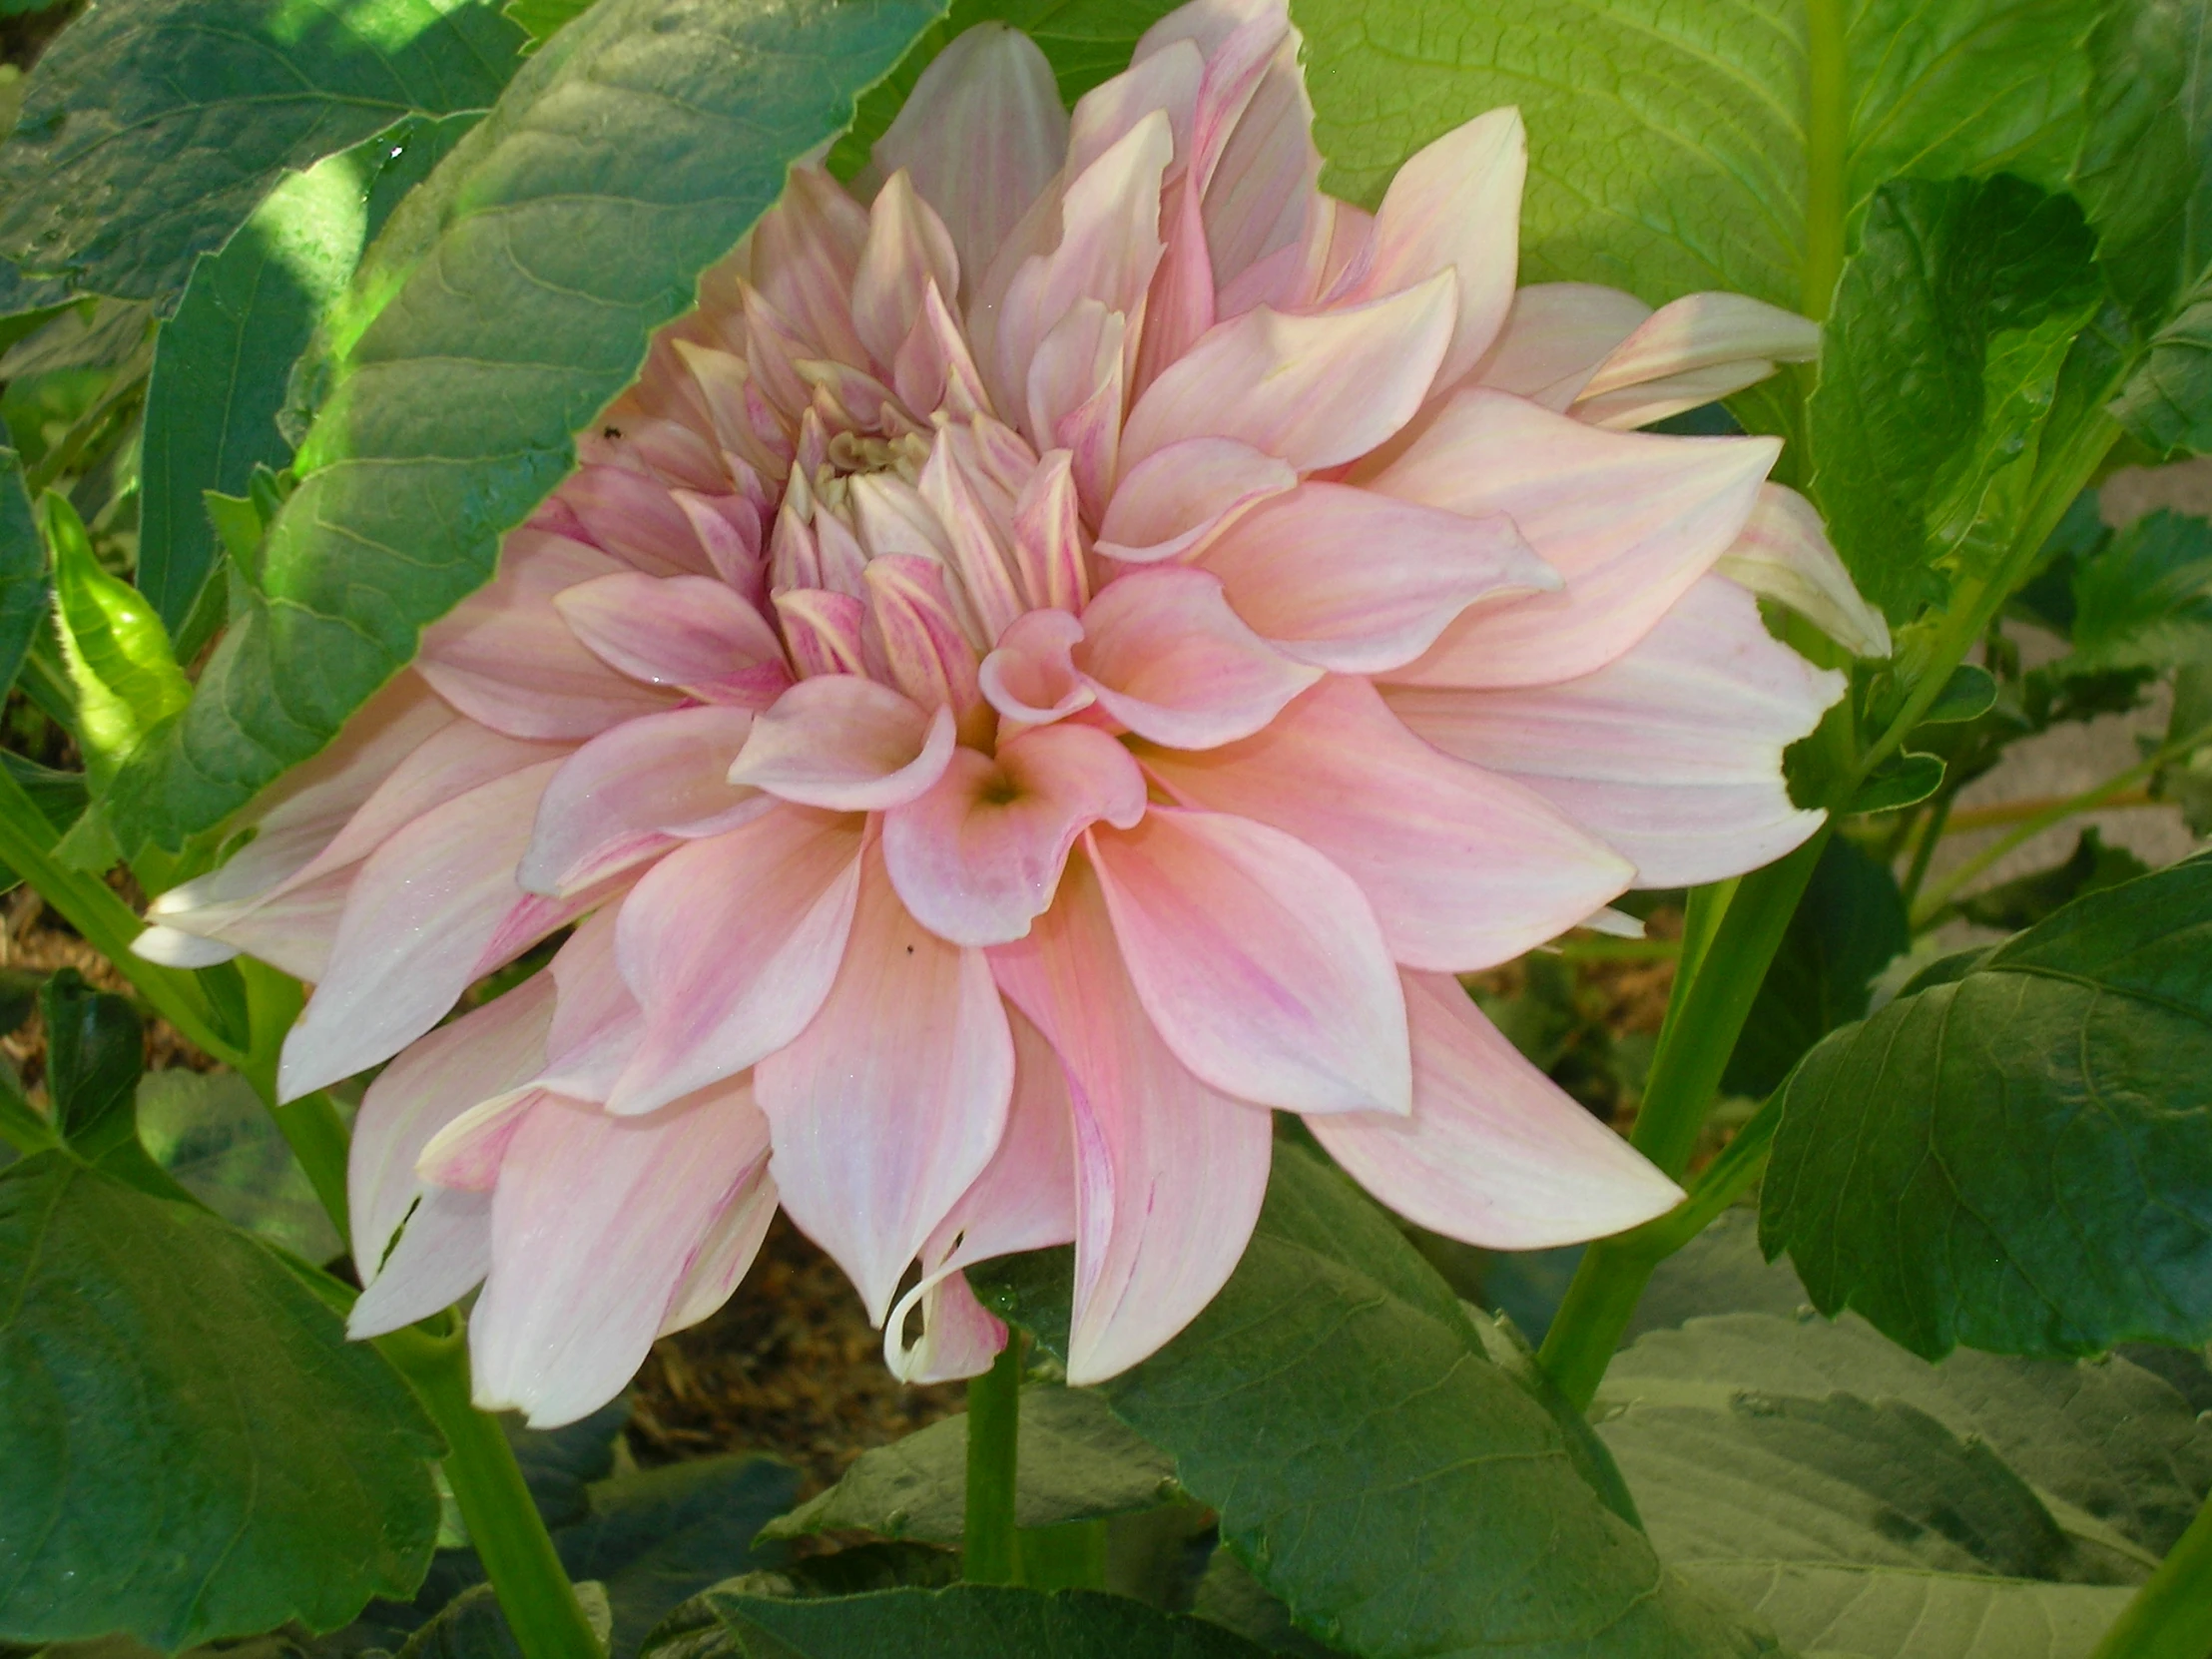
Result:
{"points": [[2171, 1615], [503, 1522], [1826, 142], [992, 1550]]}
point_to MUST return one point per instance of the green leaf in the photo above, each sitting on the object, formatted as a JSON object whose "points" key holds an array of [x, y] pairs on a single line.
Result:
{"points": [[95, 333], [194, 1450], [2167, 402], [211, 1132], [125, 677], [1078, 1463], [109, 182], [1969, 694], [472, 1626], [2026, 899], [631, 152], [2020, 1160], [95, 1051], [1902, 781], [22, 569], [1228, 1596], [541, 19], [1668, 145], [1866, 1613], [1398, 1491], [1848, 926], [1938, 366], [560, 1465], [2144, 599], [960, 1622]]}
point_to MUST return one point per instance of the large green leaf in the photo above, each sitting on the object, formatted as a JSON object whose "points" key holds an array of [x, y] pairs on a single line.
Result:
{"points": [[509, 299], [1940, 367], [2144, 599], [212, 1133], [193, 1447], [2020, 1159], [1677, 148], [2167, 402], [22, 568], [1868, 1613], [1398, 1491], [962, 1622], [152, 127], [1078, 1463]]}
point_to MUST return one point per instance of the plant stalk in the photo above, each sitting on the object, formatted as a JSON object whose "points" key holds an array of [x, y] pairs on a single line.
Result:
{"points": [[992, 1550], [503, 1522], [2171, 1615]]}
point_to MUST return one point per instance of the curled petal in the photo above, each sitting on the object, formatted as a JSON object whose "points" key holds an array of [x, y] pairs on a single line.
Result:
{"points": [[1784, 554], [1259, 960], [846, 743], [1177, 496], [1691, 351], [443, 1254], [930, 657], [1048, 536], [1031, 677], [687, 630], [979, 857], [1555, 335], [1166, 656], [1493, 1152]]}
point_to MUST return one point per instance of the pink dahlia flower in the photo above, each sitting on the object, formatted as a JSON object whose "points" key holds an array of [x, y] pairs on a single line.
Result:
{"points": [[1069, 648]]}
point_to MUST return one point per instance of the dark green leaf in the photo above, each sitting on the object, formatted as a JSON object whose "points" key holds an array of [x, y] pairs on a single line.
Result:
{"points": [[2167, 402], [1078, 1463], [22, 569], [1900, 780], [559, 1465], [2144, 600], [97, 333], [95, 1051], [1231, 1597], [1967, 695], [2020, 1160], [541, 19], [964, 1621], [1668, 144], [1848, 926], [2028, 899], [1398, 1491], [628, 155], [194, 1450], [211, 1132], [1938, 365], [59, 796], [472, 1626], [110, 181]]}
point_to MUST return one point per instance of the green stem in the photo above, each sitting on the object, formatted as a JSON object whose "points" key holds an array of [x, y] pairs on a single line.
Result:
{"points": [[503, 1523], [991, 1551], [2171, 1615], [1932, 832], [1723, 1181], [1827, 141]]}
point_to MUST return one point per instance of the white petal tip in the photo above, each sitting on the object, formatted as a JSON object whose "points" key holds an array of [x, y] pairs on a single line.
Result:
{"points": [[173, 947]]}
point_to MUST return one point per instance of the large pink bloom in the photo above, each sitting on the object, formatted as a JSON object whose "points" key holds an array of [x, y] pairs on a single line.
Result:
{"points": [[1045, 667]]}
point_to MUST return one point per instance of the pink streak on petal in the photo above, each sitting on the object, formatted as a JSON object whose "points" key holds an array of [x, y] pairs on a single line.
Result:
{"points": [[1048, 536], [1494, 1153], [632, 792], [846, 743], [979, 857], [1170, 1174], [465, 1155], [824, 631], [908, 248], [1355, 582], [1260, 962], [578, 1289], [1315, 392], [677, 631], [636, 519], [982, 555], [1174, 499], [891, 1101], [931, 659], [597, 1024], [1168, 658], [1464, 869], [1630, 519], [730, 944], [1673, 753], [725, 1254], [1032, 677]]}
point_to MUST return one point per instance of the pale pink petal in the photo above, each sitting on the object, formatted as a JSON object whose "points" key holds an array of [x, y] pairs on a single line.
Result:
{"points": [[578, 1289], [979, 857], [1693, 350], [1555, 335], [891, 1101], [729, 526], [1455, 205], [1166, 656], [1784, 554], [1030, 678], [1179, 496], [1080, 356], [982, 133], [959, 1338], [955, 486], [597, 1023], [724, 1256], [419, 920], [293, 930], [465, 1155], [889, 517], [1262, 165], [1315, 392], [1048, 536], [1169, 1173], [442, 1256], [928, 654], [503, 655], [730, 944], [1354, 582], [632, 792], [844, 742], [1464, 869], [1673, 753], [692, 631], [1259, 960], [172, 948], [908, 248], [636, 519], [806, 257], [1494, 1153], [1630, 519], [824, 631]]}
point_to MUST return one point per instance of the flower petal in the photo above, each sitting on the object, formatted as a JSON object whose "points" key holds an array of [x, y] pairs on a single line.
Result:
{"points": [[1554, 336], [1630, 519], [890, 1103], [1355, 582], [442, 1254], [1784, 554], [1494, 1153], [1166, 656], [908, 248], [634, 791], [844, 742], [1182, 493], [692, 631], [1315, 391], [1031, 677], [1169, 1173], [1691, 351], [1464, 869], [979, 857], [1673, 753], [730, 944], [1259, 960]]}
